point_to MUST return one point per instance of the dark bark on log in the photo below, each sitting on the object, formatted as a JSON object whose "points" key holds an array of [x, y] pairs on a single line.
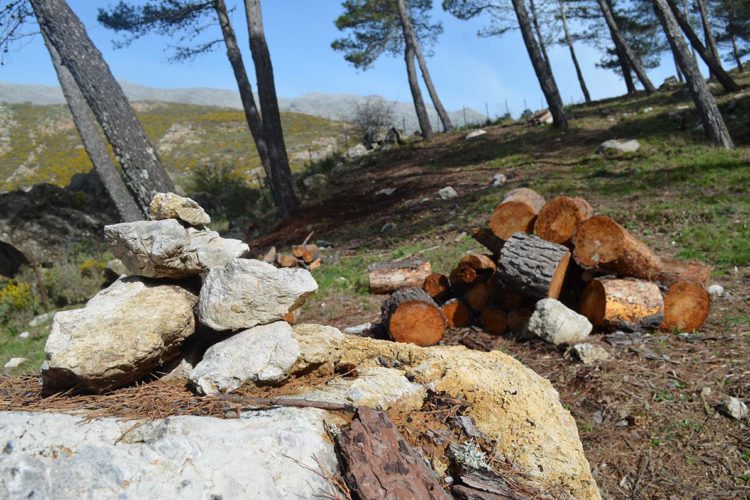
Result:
{"points": [[281, 180], [92, 140], [633, 61], [534, 266], [713, 62], [378, 463], [144, 172], [569, 42], [411, 72], [411, 316], [708, 111], [542, 69]]}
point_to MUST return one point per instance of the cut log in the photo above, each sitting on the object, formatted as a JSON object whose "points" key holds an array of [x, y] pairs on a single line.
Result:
{"points": [[518, 320], [674, 271], [505, 297], [437, 286], [617, 302], [315, 264], [478, 296], [411, 316], [286, 260], [472, 268], [457, 313], [306, 253], [485, 236], [516, 213], [378, 463], [600, 241], [494, 320], [387, 277], [560, 218], [686, 306], [533, 266]]}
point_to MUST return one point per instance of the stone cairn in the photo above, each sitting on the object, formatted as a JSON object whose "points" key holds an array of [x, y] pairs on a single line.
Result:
{"points": [[192, 306]]}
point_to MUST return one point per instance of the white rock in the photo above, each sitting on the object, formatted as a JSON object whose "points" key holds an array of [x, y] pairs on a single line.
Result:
{"points": [[619, 146], [247, 292], [498, 180], [167, 249], [173, 206], [41, 319], [476, 133], [555, 323], [361, 329], [716, 290], [447, 193], [121, 335], [357, 151], [14, 363], [385, 191], [274, 454], [734, 407], [590, 354], [316, 182], [261, 354], [24, 335]]}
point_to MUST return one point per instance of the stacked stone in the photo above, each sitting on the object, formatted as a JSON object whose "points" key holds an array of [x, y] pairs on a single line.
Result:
{"points": [[186, 287]]}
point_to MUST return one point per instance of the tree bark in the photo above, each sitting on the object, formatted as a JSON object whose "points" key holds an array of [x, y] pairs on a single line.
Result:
{"points": [[533, 266], [707, 33], [280, 178], [416, 93], [143, 170], [677, 70], [409, 32], [633, 61], [96, 148], [543, 73], [538, 31], [627, 73], [569, 41], [714, 65], [387, 277], [736, 54], [708, 111]]}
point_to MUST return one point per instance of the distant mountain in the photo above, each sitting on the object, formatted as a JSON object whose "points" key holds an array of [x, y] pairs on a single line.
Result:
{"points": [[329, 106]]}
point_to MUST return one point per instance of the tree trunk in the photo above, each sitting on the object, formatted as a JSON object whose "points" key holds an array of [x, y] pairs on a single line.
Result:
{"points": [[538, 31], [633, 61], [714, 65], [409, 33], [281, 180], [96, 148], [411, 316], [713, 122], [416, 93], [144, 172], [677, 70], [569, 41], [534, 266], [543, 73], [627, 73], [736, 54], [707, 33]]}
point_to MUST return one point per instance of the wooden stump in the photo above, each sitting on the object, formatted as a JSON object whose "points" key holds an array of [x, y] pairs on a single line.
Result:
{"points": [[306, 253], [674, 271], [614, 302], [600, 241], [494, 320], [686, 306], [516, 213], [286, 260], [560, 218], [437, 286], [472, 268], [387, 277], [378, 463], [478, 296], [412, 317], [486, 237], [534, 266], [457, 313]]}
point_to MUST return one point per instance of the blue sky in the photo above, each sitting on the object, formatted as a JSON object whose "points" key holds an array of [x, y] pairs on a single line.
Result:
{"points": [[467, 70]]}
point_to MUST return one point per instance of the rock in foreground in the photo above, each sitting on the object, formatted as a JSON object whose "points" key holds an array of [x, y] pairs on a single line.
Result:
{"points": [[556, 324], [122, 334]]}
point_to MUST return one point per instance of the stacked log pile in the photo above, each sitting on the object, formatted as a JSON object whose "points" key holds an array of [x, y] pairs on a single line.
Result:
{"points": [[556, 249]]}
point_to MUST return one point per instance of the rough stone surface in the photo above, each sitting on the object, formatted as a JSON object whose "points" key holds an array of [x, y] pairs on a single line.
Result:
{"points": [[555, 323], [475, 134], [174, 206], [618, 146], [167, 249], [280, 453], [115, 268], [509, 403], [246, 292], [261, 354], [121, 334], [447, 193], [733, 407], [715, 290], [590, 354], [14, 363], [499, 180], [41, 319]]}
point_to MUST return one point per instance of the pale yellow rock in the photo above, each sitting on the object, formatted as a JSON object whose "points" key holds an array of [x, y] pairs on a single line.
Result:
{"points": [[510, 403], [173, 206]]}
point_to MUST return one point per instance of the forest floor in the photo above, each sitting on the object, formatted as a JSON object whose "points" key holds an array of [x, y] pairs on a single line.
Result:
{"points": [[646, 422]]}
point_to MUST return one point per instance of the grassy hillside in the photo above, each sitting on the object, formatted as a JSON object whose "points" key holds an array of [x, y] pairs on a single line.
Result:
{"points": [[40, 143]]}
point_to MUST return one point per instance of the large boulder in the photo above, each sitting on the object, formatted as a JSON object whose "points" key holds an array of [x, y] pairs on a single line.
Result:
{"points": [[174, 206], [281, 453], [167, 249], [509, 403], [246, 292], [122, 334], [261, 354]]}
